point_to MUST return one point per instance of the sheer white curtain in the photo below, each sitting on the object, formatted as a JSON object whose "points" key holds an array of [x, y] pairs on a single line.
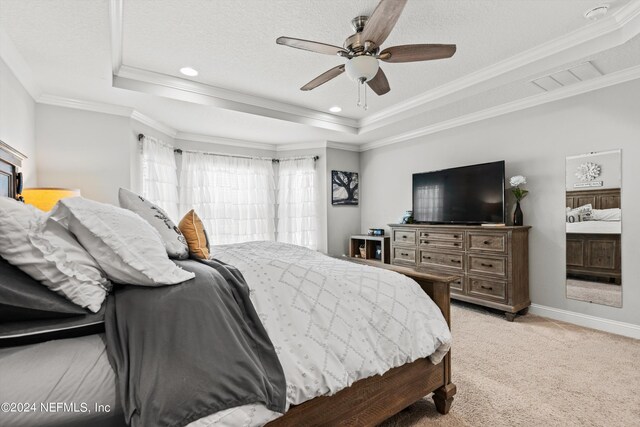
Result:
{"points": [[159, 175], [297, 202], [234, 197]]}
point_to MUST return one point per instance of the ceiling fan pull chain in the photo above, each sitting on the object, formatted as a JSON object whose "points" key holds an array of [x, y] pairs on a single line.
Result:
{"points": [[364, 87], [359, 104]]}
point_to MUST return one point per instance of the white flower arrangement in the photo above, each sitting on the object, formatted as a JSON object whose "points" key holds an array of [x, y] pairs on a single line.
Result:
{"points": [[517, 180]]}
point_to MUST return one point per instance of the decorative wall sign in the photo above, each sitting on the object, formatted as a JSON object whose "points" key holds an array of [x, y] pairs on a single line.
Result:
{"points": [[344, 188], [588, 184], [588, 171]]}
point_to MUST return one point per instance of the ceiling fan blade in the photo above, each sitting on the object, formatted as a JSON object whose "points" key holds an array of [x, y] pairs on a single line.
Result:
{"points": [[379, 84], [324, 77], [382, 21], [417, 52], [312, 46]]}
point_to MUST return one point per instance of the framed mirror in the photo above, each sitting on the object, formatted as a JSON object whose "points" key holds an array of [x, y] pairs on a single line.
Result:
{"points": [[594, 227]]}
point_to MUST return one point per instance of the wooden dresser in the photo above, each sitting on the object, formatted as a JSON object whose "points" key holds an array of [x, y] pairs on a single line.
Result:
{"points": [[491, 264]]}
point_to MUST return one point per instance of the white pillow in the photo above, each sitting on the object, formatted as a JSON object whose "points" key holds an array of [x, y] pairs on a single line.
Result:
{"points": [[613, 214], [47, 252], [173, 240], [579, 214], [127, 248]]}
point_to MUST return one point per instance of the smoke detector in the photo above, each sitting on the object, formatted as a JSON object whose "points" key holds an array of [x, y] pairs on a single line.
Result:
{"points": [[597, 12]]}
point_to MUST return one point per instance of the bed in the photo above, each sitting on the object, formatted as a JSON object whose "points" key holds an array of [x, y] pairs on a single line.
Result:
{"points": [[594, 247], [77, 370]]}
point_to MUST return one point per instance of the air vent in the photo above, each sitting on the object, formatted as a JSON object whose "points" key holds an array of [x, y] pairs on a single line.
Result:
{"points": [[567, 77]]}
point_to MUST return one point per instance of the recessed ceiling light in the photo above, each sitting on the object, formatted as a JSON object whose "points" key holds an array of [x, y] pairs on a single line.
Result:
{"points": [[335, 109], [597, 12], [188, 71]]}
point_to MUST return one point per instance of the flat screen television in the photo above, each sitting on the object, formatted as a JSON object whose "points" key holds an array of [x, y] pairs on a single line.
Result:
{"points": [[464, 195]]}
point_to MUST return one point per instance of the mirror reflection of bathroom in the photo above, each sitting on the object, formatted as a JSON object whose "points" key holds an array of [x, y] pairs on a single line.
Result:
{"points": [[594, 227]]}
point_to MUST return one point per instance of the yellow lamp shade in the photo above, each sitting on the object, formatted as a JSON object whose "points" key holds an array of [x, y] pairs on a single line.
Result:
{"points": [[46, 198]]}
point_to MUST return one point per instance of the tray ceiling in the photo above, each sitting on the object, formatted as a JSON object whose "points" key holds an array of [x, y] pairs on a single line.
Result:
{"points": [[248, 87]]}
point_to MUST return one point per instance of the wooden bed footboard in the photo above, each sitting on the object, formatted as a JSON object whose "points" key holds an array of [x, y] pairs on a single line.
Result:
{"points": [[372, 400]]}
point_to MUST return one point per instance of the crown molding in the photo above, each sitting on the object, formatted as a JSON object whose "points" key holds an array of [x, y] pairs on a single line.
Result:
{"points": [[115, 20], [190, 91], [510, 107], [625, 21], [185, 136], [78, 104], [344, 146], [18, 66], [301, 146], [154, 124]]}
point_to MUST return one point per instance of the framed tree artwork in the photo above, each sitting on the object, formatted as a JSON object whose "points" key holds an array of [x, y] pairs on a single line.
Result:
{"points": [[344, 188]]}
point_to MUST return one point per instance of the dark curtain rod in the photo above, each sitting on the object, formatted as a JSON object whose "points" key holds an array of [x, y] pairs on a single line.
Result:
{"points": [[179, 151]]}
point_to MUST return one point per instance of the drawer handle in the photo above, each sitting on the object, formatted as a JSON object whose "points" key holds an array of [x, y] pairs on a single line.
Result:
{"points": [[456, 244], [489, 288], [404, 254], [426, 242], [456, 236], [486, 242], [404, 237], [456, 261], [486, 265], [427, 257]]}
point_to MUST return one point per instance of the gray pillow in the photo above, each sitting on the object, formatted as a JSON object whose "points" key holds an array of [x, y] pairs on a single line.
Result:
{"points": [[173, 240], [24, 299]]}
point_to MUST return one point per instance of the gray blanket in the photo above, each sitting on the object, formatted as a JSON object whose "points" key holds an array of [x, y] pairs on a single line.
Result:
{"points": [[185, 351]]}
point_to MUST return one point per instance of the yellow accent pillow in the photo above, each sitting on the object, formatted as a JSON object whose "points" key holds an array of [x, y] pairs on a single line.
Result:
{"points": [[193, 230]]}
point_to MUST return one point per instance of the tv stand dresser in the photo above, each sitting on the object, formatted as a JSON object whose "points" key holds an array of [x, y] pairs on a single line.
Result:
{"points": [[491, 263]]}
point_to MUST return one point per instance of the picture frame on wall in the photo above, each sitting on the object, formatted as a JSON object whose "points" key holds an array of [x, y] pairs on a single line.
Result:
{"points": [[344, 188]]}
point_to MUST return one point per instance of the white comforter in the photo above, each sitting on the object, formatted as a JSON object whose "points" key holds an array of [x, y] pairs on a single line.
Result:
{"points": [[332, 322]]}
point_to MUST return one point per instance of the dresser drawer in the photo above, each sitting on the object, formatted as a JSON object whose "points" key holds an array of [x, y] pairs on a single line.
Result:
{"points": [[439, 259], [442, 235], [428, 243], [488, 242], [404, 255], [458, 284], [488, 265], [404, 236], [487, 289]]}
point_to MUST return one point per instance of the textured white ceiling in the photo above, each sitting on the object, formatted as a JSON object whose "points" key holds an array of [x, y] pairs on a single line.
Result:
{"points": [[232, 44]]}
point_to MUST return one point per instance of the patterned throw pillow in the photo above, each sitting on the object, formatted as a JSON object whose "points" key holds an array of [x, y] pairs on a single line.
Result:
{"points": [[173, 240], [197, 239], [579, 214], [127, 248]]}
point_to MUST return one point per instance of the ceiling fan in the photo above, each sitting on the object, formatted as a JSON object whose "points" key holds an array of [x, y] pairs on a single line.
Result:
{"points": [[362, 50]]}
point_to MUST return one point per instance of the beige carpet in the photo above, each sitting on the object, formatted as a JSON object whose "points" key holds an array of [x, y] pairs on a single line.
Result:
{"points": [[534, 372], [595, 292]]}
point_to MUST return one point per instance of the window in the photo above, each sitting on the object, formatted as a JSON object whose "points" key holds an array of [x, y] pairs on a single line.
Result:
{"points": [[297, 204], [159, 176]]}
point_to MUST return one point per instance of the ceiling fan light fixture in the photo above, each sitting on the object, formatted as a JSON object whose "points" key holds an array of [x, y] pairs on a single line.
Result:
{"points": [[362, 68]]}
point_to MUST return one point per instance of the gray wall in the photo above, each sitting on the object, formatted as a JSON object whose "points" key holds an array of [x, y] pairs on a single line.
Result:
{"points": [[534, 143], [85, 150], [343, 221], [17, 121]]}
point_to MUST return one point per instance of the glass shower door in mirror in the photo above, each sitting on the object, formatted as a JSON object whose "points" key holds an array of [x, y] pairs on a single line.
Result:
{"points": [[594, 227]]}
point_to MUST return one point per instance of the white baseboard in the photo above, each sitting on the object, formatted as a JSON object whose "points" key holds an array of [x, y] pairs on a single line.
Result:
{"points": [[613, 326]]}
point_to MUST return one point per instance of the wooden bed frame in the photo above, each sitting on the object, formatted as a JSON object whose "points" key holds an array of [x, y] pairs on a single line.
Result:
{"points": [[10, 162], [369, 401], [594, 255], [372, 400]]}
